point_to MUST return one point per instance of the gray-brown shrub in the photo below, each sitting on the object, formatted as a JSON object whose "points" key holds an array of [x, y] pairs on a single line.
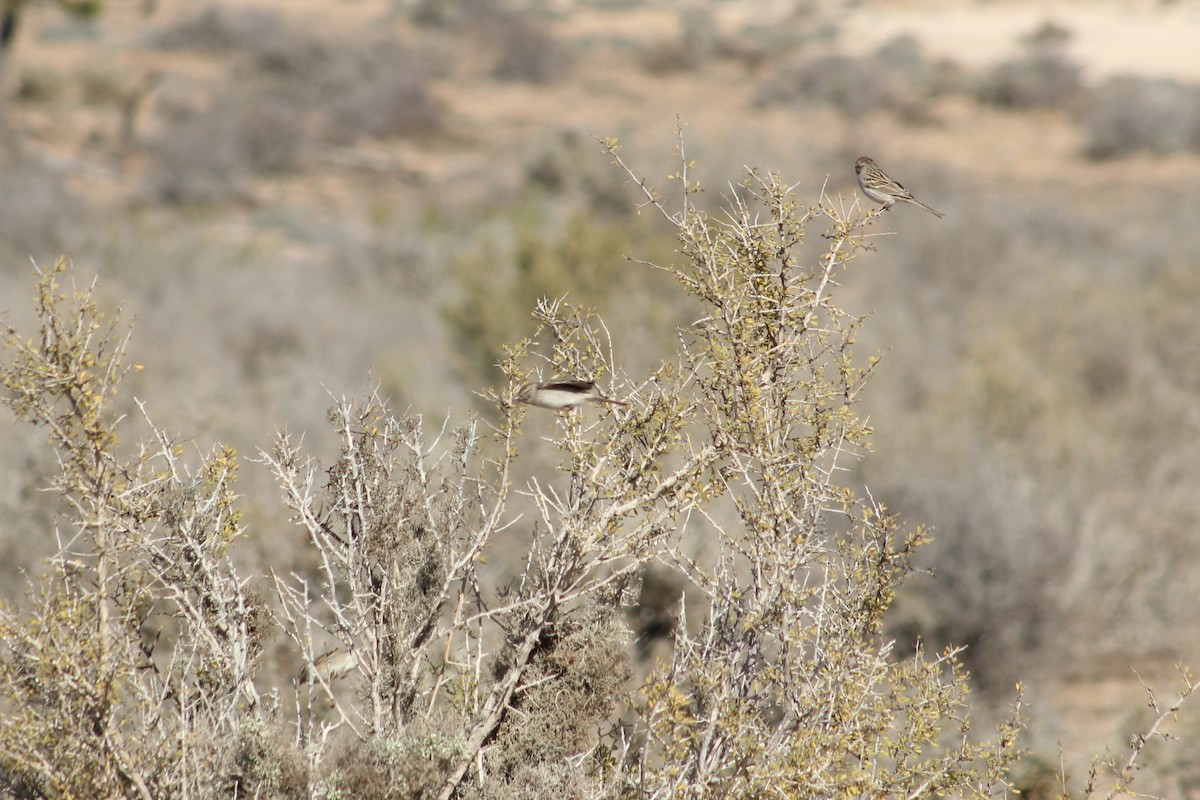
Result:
{"points": [[1039, 80], [514, 39], [1129, 114], [289, 93], [896, 77], [1043, 76]]}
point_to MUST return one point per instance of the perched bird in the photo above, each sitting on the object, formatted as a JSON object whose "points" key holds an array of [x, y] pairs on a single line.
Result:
{"points": [[562, 394], [877, 185], [331, 665]]}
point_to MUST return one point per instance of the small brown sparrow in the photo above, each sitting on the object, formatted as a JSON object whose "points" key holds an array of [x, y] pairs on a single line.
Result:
{"points": [[562, 394], [331, 665], [876, 185]]}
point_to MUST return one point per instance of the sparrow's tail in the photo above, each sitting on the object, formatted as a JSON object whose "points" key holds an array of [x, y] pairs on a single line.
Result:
{"points": [[927, 208]]}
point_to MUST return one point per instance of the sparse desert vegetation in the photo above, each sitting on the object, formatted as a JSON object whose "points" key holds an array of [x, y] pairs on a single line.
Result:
{"points": [[296, 203]]}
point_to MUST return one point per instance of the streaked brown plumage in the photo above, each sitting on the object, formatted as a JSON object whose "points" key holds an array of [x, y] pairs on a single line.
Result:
{"points": [[880, 187], [331, 665]]}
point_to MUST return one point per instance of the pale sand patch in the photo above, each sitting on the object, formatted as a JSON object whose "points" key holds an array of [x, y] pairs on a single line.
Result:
{"points": [[1120, 36]]}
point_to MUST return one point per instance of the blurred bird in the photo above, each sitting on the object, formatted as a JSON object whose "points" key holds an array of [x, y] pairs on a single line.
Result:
{"points": [[877, 185], [562, 394], [332, 665]]}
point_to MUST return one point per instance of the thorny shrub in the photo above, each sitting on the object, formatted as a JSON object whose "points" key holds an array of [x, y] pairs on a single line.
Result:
{"points": [[134, 667]]}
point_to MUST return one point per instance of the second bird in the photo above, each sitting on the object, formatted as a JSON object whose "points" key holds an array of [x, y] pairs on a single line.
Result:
{"points": [[879, 186], [562, 394]]}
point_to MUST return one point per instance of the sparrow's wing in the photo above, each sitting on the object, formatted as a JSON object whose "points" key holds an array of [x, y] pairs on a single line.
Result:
{"points": [[580, 387]]}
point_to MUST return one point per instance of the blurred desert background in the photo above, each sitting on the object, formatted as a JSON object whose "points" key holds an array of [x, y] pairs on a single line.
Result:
{"points": [[298, 199]]}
